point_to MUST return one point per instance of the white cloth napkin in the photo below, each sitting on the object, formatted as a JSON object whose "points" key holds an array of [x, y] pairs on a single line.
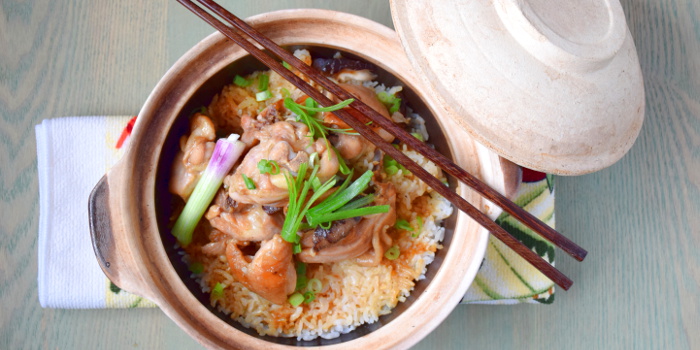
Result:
{"points": [[72, 158]]}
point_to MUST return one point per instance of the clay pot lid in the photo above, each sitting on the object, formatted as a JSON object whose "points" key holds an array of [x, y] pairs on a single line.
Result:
{"points": [[555, 87]]}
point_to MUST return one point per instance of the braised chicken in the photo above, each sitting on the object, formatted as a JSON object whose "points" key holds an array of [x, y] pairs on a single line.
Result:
{"points": [[269, 273], [365, 238], [288, 144], [195, 152]]}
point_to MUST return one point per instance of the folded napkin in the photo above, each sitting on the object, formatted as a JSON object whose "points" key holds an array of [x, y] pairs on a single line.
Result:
{"points": [[75, 152]]}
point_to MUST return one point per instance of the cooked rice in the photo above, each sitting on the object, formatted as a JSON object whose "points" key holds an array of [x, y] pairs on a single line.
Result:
{"points": [[352, 295]]}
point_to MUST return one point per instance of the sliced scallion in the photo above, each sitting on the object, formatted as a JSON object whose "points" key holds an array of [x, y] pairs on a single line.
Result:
{"points": [[226, 153], [296, 299], [396, 104], [344, 169], [313, 106], [358, 203], [218, 291], [391, 170], [392, 253], [298, 205], [402, 224], [196, 267], [420, 226], [309, 297], [249, 184], [263, 95], [240, 81], [268, 167], [315, 285], [352, 213], [263, 81], [340, 198], [302, 282], [419, 136], [389, 99]]}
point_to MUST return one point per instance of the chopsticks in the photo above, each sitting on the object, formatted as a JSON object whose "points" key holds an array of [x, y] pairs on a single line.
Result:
{"points": [[347, 116]]}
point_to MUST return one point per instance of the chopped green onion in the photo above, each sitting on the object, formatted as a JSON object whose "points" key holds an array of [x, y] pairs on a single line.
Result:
{"points": [[346, 214], [392, 253], [263, 95], [388, 161], [326, 225], [315, 285], [385, 97], [313, 158], [285, 93], [357, 203], [298, 205], [402, 224], [339, 198], [419, 136], [296, 248], [300, 268], [391, 166], [302, 282], [286, 65], [420, 226], [268, 167], [389, 99], [218, 291], [344, 169], [309, 297], [196, 267], [316, 129], [391, 170], [296, 299], [395, 106], [335, 107], [263, 80], [315, 183], [310, 103], [249, 184], [226, 153], [240, 81]]}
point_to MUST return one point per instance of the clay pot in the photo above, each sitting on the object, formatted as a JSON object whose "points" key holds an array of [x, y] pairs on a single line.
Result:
{"points": [[130, 207]]}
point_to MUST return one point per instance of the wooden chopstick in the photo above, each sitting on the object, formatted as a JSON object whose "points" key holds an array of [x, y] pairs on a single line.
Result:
{"points": [[547, 269]]}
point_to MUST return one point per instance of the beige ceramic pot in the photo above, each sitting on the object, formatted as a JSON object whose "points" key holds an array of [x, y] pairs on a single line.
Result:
{"points": [[130, 207]]}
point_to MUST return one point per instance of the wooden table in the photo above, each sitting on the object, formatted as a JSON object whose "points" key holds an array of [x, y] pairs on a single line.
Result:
{"points": [[639, 219]]}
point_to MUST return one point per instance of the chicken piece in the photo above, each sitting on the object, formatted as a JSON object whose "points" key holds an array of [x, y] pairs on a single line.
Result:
{"points": [[367, 239], [249, 222], [251, 126], [193, 157], [351, 147], [270, 273], [287, 143]]}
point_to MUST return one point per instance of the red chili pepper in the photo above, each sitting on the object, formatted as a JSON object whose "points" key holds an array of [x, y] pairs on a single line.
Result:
{"points": [[126, 132]]}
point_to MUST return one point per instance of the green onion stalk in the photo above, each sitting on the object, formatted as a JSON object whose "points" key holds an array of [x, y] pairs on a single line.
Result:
{"points": [[226, 153]]}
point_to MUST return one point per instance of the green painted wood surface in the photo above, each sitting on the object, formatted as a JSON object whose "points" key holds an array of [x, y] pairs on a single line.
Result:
{"points": [[639, 219]]}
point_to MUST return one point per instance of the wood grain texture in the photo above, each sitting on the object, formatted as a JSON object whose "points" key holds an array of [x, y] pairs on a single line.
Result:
{"points": [[639, 219]]}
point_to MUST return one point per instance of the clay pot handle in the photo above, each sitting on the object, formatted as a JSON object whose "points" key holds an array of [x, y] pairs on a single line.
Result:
{"points": [[110, 241]]}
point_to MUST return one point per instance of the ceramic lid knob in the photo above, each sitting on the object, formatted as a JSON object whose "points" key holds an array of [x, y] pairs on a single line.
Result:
{"points": [[579, 35]]}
